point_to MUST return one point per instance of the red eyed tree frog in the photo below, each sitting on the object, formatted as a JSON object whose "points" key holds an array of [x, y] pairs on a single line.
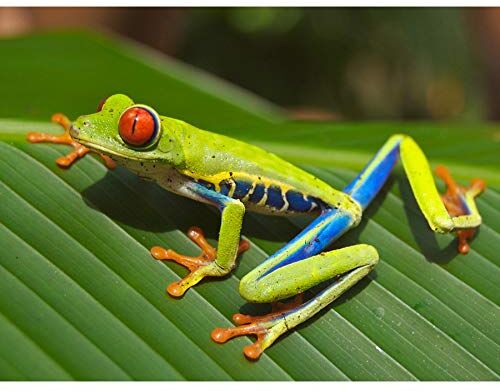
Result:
{"points": [[234, 177]]}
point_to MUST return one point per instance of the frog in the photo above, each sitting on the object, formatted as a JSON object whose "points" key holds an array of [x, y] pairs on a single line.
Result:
{"points": [[235, 177]]}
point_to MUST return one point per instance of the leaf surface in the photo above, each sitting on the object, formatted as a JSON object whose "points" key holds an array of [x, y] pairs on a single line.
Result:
{"points": [[81, 298]]}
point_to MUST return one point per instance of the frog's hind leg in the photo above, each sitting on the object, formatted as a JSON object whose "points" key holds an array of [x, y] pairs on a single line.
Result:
{"points": [[455, 210], [78, 151], [351, 263], [296, 267], [277, 309]]}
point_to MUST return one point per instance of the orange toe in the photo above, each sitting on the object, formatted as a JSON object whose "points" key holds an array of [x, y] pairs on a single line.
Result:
{"points": [[199, 266]]}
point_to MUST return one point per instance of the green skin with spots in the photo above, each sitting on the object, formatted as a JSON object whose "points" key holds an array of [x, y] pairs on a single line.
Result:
{"points": [[184, 153], [199, 154], [184, 156]]}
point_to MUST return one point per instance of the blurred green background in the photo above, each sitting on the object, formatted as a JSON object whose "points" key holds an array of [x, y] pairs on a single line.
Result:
{"points": [[320, 63]]}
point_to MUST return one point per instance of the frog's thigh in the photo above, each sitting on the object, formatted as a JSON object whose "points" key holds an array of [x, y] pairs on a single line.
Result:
{"points": [[297, 277]]}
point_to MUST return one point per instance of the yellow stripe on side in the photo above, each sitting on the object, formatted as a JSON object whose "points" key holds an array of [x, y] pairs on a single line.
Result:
{"points": [[232, 188], [250, 192], [217, 178], [424, 189], [263, 200]]}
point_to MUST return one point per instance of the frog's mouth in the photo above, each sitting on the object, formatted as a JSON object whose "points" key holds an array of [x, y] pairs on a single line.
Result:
{"points": [[75, 135]]}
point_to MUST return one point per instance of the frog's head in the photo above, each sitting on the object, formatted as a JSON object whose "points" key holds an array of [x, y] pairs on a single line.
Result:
{"points": [[124, 130]]}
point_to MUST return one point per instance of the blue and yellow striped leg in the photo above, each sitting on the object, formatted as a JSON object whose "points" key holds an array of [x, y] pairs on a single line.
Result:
{"points": [[211, 262], [454, 211]]}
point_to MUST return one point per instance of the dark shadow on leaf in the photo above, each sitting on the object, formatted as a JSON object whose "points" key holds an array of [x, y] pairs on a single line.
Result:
{"points": [[424, 236], [124, 197], [282, 229]]}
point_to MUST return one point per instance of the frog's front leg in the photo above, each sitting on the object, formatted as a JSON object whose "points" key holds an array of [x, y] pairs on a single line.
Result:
{"points": [[211, 262], [78, 151]]}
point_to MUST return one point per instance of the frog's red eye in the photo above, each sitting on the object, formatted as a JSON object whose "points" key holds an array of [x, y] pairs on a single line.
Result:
{"points": [[139, 126], [101, 104]]}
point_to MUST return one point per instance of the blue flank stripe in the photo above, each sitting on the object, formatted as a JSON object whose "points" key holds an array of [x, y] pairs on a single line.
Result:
{"points": [[464, 204], [274, 197], [296, 201], [207, 184], [212, 196], [242, 189], [257, 194], [225, 186]]}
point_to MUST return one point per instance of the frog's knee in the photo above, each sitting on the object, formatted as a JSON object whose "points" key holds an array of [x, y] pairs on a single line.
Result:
{"points": [[254, 292], [370, 255], [248, 289]]}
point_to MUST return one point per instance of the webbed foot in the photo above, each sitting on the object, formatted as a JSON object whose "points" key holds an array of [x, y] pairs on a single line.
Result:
{"points": [[455, 201], [201, 266], [78, 149], [267, 328]]}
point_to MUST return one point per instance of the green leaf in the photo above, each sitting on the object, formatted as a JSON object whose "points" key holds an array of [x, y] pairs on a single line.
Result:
{"points": [[81, 298]]}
